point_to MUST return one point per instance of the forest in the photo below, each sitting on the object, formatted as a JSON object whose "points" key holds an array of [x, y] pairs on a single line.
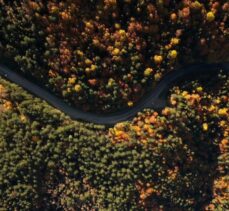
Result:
{"points": [[103, 56], [175, 159]]}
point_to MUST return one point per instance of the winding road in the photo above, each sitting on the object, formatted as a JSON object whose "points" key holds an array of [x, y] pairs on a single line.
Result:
{"points": [[157, 99]]}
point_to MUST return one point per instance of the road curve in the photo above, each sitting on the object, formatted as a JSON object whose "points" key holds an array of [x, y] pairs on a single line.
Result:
{"points": [[157, 99]]}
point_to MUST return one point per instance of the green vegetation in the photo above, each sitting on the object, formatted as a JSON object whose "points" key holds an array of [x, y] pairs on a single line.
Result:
{"points": [[105, 55], [175, 159], [185, 148], [41, 153]]}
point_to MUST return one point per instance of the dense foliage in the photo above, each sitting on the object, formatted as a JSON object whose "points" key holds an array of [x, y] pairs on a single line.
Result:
{"points": [[104, 55], [176, 159], [40, 153], [186, 147]]}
